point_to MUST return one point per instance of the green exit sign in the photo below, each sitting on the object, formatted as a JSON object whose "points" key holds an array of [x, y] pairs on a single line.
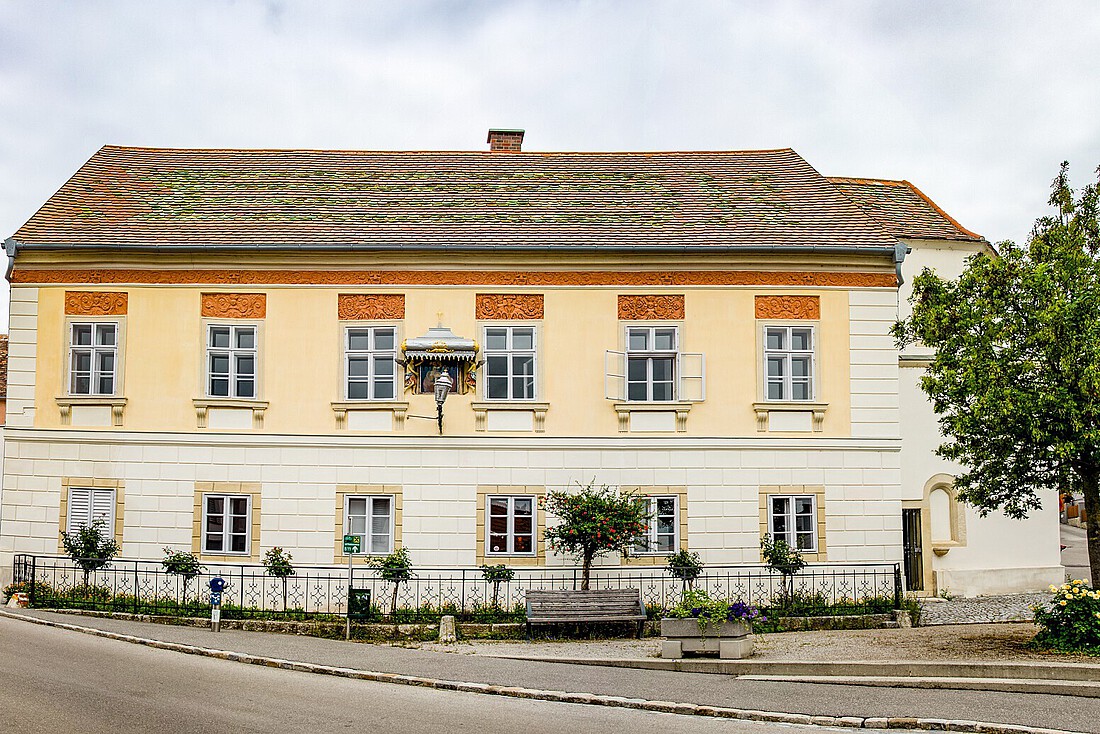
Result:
{"points": [[352, 544]]}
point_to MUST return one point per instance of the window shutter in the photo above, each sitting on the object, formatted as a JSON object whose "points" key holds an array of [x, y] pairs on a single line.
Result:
{"points": [[693, 377], [80, 508], [103, 505], [614, 381]]}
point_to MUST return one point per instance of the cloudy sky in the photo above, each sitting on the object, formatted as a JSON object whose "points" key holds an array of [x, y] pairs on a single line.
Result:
{"points": [[976, 103]]}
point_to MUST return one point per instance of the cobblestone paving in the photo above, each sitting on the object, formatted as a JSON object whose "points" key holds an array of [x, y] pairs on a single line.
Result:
{"points": [[1012, 608]]}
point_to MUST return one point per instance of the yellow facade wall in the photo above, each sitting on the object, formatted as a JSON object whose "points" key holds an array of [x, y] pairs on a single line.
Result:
{"points": [[301, 355]]}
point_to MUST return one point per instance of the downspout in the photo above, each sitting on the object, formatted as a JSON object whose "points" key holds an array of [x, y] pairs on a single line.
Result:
{"points": [[10, 246], [900, 251]]}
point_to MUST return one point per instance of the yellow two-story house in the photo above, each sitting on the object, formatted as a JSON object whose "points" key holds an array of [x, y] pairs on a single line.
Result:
{"points": [[224, 351]]}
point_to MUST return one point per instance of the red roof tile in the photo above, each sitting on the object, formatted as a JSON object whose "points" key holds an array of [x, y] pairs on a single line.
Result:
{"points": [[903, 209]]}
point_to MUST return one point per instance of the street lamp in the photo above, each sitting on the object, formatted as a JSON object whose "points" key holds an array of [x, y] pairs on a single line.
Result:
{"points": [[443, 385]]}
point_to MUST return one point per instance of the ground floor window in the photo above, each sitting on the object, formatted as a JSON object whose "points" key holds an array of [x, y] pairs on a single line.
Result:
{"points": [[226, 523], [793, 518], [370, 516], [87, 505], [511, 525], [662, 529]]}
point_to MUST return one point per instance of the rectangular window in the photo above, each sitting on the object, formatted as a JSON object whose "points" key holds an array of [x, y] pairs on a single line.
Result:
{"points": [[86, 505], [511, 525], [93, 356], [793, 518], [789, 363], [231, 361], [371, 517], [662, 533], [510, 362], [651, 356], [226, 524], [369, 363]]}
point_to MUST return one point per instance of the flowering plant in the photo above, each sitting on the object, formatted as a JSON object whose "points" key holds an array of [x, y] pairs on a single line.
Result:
{"points": [[1072, 622], [712, 612]]}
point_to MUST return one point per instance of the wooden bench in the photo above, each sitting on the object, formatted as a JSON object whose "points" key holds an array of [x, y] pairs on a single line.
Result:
{"points": [[599, 605]]}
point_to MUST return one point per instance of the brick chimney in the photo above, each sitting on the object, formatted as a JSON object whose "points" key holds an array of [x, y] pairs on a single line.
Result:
{"points": [[505, 141]]}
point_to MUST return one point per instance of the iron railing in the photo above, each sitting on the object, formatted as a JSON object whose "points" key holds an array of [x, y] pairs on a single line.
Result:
{"points": [[145, 587]]}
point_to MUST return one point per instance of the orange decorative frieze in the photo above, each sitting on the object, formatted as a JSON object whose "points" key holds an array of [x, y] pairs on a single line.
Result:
{"points": [[508, 306], [234, 305], [645, 308], [538, 279], [95, 303], [788, 307], [370, 306]]}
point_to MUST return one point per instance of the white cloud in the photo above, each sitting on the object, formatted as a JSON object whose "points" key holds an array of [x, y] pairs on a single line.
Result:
{"points": [[976, 103]]}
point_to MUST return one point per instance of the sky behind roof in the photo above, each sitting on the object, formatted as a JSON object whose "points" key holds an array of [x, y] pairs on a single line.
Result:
{"points": [[975, 103]]}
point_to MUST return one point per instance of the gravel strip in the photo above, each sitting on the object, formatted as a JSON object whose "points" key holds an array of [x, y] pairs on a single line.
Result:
{"points": [[981, 609]]}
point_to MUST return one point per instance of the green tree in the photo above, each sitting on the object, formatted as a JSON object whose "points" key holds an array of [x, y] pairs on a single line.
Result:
{"points": [[685, 566], [395, 568], [183, 564], [90, 547], [497, 575], [594, 522], [784, 560], [1015, 379], [277, 563]]}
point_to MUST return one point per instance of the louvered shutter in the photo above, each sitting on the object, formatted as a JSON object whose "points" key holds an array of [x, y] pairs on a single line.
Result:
{"points": [[103, 508], [80, 508]]}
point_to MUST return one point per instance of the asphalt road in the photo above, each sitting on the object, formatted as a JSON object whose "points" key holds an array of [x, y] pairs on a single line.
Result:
{"points": [[53, 681], [1075, 556]]}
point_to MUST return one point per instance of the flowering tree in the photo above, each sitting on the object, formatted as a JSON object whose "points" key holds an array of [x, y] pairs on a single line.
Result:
{"points": [[594, 522]]}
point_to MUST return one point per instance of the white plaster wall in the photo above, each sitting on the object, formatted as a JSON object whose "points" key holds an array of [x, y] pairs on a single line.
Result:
{"points": [[862, 481], [874, 363], [22, 341]]}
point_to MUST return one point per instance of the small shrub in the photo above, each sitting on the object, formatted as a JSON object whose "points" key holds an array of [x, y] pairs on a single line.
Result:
{"points": [[497, 575], [90, 547], [395, 568], [782, 559], [1072, 622], [685, 566], [277, 563], [183, 564]]}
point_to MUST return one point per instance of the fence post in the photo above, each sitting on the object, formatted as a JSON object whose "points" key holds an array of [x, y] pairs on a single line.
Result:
{"points": [[136, 587], [34, 578], [897, 586]]}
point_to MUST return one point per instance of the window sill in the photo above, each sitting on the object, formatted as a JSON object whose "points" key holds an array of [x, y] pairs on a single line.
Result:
{"points": [[66, 404], [203, 406], [765, 409], [680, 408], [341, 407], [537, 409]]}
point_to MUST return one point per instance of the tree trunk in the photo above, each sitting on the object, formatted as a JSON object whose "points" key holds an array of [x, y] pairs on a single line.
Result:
{"points": [[586, 571], [393, 602], [1091, 481]]}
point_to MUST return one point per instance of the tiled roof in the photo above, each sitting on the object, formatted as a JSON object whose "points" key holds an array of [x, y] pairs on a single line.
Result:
{"points": [[147, 197], [3, 368], [903, 209]]}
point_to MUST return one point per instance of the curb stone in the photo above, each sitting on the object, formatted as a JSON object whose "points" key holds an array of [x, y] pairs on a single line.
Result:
{"points": [[855, 722]]}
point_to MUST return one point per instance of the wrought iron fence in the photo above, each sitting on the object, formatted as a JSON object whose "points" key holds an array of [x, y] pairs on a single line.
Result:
{"points": [[145, 587]]}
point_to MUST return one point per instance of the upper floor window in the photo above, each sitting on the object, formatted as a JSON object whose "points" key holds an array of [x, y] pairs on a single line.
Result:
{"points": [[93, 358], [661, 534], [370, 352], [371, 516], [789, 363], [793, 518], [651, 363], [510, 362], [511, 521], [231, 361]]}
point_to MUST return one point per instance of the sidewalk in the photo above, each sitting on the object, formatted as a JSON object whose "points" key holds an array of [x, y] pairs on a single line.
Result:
{"points": [[870, 706]]}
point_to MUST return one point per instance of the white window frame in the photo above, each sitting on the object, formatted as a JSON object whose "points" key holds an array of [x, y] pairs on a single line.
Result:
{"points": [[226, 532], [787, 355], [371, 353], [99, 497], [791, 534], [649, 354], [511, 533], [233, 353], [367, 545], [650, 546], [94, 352], [509, 352]]}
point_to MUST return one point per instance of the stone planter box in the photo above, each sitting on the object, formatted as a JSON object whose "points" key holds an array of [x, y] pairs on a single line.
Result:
{"points": [[731, 640]]}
